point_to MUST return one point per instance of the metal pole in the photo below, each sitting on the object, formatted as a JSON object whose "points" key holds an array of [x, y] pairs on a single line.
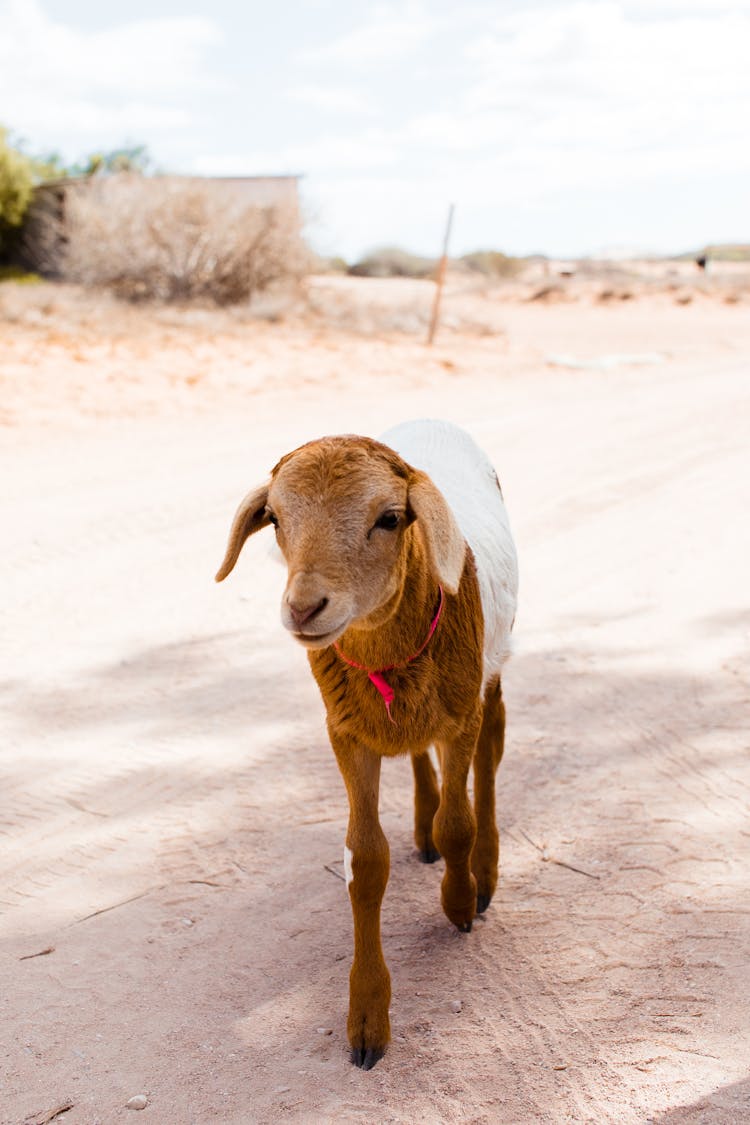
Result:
{"points": [[440, 277]]}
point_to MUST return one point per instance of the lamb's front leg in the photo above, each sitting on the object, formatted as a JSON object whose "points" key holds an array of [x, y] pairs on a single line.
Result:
{"points": [[367, 864], [455, 831]]}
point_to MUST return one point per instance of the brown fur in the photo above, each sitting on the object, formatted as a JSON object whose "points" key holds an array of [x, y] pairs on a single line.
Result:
{"points": [[375, 591]]}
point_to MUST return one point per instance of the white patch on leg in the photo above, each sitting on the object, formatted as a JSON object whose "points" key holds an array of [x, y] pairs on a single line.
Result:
{"points": [[433, 756], [348, 856]]}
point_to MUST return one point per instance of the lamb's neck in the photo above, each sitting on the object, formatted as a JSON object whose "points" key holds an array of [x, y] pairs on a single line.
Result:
{"points": [[409, 617]]}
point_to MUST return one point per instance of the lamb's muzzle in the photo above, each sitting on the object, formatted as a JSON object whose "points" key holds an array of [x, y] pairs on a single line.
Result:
{"points": [[302, 614], [370, 532]]}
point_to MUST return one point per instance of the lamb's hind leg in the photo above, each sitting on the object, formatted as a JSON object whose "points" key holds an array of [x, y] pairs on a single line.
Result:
{"points": [[426, 801], [489, 751]]}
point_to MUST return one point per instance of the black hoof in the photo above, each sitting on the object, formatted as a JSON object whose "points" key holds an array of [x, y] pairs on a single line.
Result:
{"points": [[465, 928], [366, 1057], [429, 855], [483, 901]]}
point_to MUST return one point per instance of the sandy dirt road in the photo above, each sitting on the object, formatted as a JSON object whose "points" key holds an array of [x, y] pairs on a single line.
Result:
{"points": [[171, 816]]}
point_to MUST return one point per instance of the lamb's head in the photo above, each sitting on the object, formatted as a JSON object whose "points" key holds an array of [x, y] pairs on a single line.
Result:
{"points": [[348, 514]]}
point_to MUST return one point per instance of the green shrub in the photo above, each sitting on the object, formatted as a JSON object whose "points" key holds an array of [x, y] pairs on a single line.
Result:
{"points": [[19, 276], [16, 187]]}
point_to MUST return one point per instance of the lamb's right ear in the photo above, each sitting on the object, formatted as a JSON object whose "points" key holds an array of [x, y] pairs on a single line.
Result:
{"points": [[251, 517], [446, 546]]}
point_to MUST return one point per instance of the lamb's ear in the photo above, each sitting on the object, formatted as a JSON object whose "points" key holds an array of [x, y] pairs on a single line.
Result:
{"points": [[442, 536], [251, 517]]}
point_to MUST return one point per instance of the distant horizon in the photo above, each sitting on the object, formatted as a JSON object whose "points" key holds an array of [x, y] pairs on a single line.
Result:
{"points": [[622, 254], [604, 254], [613, 253]]}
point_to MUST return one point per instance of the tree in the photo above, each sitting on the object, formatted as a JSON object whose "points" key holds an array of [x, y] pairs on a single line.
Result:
{"points": [[134, 158]]}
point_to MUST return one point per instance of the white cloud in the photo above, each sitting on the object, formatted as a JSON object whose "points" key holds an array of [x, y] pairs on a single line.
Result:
{"points": [[574, 91], [370, 151], [339, 99], [392, 31], [129, 118], [590, 58], [584, 94], [55, 77], [577, 112]]}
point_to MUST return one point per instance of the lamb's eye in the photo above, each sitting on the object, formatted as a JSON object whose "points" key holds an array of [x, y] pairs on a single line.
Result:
{"points": [[389, 521], [272, 518]]}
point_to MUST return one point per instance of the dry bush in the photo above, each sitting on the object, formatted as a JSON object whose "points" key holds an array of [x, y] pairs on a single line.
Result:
{"points": [[392, 261], [492, 263], [549, 294], [175, 240], [607, 295]]}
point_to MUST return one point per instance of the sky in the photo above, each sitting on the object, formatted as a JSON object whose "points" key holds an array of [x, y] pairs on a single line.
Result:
{"points": [[565, 127]]}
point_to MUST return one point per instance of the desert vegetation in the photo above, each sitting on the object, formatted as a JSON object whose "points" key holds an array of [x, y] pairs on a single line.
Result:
{"points": [[174, 239], [394, 261]]}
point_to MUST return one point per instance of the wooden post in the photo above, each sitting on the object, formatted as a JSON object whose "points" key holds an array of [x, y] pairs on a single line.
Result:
{"points": [[440, 278]]}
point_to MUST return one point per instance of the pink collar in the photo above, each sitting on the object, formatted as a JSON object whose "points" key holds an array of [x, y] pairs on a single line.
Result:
{"points": [[375, 675]]}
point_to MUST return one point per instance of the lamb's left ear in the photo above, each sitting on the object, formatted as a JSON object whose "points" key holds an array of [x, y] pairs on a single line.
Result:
{"points": [[442, 536], [251, 516]]}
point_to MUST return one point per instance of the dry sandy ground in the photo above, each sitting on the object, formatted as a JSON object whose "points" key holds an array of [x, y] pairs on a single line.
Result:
{"points": [[171, 817]]}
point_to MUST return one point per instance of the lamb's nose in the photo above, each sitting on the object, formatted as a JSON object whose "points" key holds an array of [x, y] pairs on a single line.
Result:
{"points": [[301, 614]]}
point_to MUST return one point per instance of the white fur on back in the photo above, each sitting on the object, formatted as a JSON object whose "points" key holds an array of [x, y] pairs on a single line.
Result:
{"points": [[467, 480]]}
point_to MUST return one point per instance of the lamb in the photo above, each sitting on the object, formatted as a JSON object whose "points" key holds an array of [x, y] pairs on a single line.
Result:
{"points": [[402, 586]]}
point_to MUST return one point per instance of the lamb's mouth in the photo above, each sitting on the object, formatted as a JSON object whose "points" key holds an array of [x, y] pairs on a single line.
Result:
{"points": [[320, 640]]}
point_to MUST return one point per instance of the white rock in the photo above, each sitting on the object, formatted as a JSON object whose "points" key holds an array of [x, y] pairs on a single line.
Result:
{"points": [[140, 1101], [456, 1006]]}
